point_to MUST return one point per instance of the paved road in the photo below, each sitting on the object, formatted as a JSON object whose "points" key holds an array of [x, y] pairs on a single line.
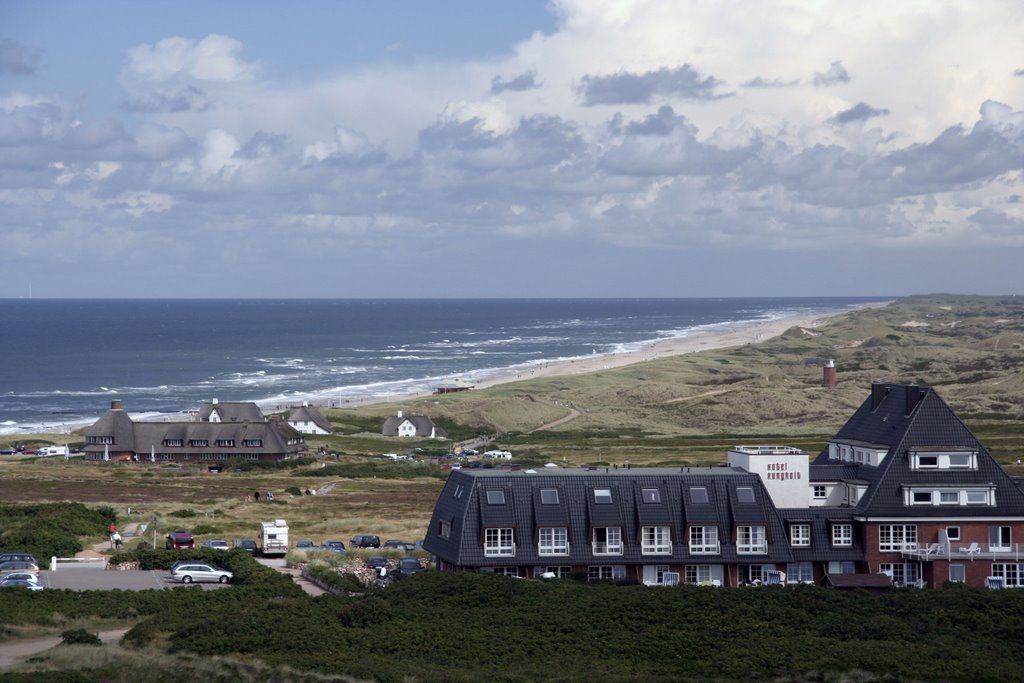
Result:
{"points": [[83, 577]]}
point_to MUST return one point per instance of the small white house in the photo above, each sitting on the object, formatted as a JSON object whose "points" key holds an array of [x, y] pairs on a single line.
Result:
{"points": [[308, 420], [412, 425]]}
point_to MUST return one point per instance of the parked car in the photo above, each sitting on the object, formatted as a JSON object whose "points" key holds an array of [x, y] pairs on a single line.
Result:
{"points": [[21, 583], [336, 546], [197, 571], [398, 545], [409, 565], [20, 576], [20, 557], [376, 562], [18, 566], [180, 540], [365, 541], [8, 451], [216, 544], [307, 544], [246, 544]]}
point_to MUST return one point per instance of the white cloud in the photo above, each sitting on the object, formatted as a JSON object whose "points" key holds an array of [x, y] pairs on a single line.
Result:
{"points": [[214, 58]]}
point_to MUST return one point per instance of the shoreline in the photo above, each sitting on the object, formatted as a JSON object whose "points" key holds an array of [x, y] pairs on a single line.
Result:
{"points": [[738, 334], [713, 337]]}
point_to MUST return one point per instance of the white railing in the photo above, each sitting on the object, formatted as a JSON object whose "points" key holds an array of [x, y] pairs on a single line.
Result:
{"points": [[706, 548], [965, 551], [558, 549], [500, 550], [601, 548], [755, 548], [663, 548]]}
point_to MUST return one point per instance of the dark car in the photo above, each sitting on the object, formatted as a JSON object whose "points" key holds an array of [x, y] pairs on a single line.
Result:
{"points": [[365, 541], [409, 565], [7, 451], [306, 544], [398, 545], [180, 540], [246, 544], [17, 557], [336, 546], [376, 562], [21, 583]]}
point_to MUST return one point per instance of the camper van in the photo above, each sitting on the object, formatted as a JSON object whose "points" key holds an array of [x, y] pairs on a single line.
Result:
{"points": [[274, 538], [52, 450]]}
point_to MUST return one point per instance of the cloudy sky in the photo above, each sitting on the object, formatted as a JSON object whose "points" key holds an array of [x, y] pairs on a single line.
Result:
{"points": [[563, 148]]}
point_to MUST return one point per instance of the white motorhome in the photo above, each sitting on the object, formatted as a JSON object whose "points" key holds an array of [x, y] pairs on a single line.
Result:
{"points": [[52, 450], [274, 538]]}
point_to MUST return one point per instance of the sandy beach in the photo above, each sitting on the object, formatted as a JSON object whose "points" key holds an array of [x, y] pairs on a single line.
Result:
{"points": [[737, 335]]}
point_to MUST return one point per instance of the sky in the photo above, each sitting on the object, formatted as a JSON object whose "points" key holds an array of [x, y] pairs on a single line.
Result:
{"points": [[571, 148]]}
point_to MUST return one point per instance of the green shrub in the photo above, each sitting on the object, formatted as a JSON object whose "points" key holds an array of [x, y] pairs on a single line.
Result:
{"points": [[184, 513], [79, 636]]}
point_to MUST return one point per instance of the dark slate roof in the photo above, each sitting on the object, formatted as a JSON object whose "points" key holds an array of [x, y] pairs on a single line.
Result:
{"points": [[468, 513], [907, 418], [423, 425], [309, 414], [231, 412], [821, 520]]}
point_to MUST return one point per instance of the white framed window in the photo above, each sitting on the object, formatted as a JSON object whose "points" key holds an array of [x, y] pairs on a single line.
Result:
{"points": [[800, 535], [897, 537], [1011, 574], [949, 498], [654, 574], [559, 572], [553, 541], [902, 574], [977, 497], [800, 572], [751, 540], [943, 461], [697, 574], [606, 572], [655, 540], [841, 568], [445, 528], [819, 492], [953, 533], [503, 571], [842, 534], [607, 540], [704, 540], [999, 539], [957, 573], [498, 542], [921, 497]]}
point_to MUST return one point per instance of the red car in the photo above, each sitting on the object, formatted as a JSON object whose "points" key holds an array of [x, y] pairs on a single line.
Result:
{"points": [[180, 540]]}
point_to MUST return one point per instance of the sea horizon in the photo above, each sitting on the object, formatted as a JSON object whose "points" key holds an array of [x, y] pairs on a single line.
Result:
{"points": [[63, 360]]}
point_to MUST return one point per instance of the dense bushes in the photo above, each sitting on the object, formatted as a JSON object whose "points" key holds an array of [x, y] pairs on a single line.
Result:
{"points": [[381, 470], [51, 529]]}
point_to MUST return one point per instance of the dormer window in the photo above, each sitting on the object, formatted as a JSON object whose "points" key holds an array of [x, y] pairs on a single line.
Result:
{"points": [[937, 460]]}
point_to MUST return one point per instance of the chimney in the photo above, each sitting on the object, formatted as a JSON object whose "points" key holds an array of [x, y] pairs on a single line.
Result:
{"points": [[914, 396], [830, 374], [878, 394], [214, 401], [399, 413], [116, 405]]}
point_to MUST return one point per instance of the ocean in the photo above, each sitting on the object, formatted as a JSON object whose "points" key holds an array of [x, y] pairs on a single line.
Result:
{"points": [[63, 360]]}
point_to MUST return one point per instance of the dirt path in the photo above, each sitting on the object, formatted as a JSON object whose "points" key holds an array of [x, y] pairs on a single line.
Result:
{"points": [[713, 392], [12, 652], [573, 414]]}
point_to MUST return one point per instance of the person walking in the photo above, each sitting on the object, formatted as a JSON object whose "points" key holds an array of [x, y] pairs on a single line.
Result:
{"points": [[116, 538], [256, 496]]}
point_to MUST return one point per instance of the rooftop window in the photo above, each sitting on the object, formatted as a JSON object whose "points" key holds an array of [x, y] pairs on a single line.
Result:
{"points": [[698, 494], [495, 497], [745, 494], [549, 496], [651, 495], [603, 496]]}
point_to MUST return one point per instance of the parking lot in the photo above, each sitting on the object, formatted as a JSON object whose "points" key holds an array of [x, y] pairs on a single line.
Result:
{"points": [[83, 577]]}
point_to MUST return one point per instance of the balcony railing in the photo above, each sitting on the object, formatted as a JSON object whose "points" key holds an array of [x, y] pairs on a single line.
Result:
{"points": [[508, 550], [1009, 552], [558, 549], [753, 548], [602, 548], [712, 548], [663, 548]]}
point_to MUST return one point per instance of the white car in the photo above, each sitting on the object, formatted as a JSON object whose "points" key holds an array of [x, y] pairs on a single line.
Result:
{"points": [[216, 544], [197, 571]]}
